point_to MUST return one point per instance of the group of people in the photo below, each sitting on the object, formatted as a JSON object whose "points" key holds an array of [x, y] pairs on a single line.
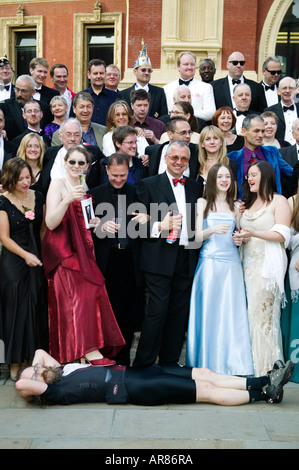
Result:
{"points": [[156, 210]]}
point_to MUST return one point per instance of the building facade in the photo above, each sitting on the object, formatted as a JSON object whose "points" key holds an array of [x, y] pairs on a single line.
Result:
{"points": [[74, 31]]}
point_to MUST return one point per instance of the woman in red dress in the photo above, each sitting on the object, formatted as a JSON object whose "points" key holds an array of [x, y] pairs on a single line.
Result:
{"points": [[81, 320]]}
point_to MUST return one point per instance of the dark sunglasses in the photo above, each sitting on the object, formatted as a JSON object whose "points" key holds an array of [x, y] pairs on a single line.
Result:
{"points": [[73, 162], [236, 62], [274, 72]]}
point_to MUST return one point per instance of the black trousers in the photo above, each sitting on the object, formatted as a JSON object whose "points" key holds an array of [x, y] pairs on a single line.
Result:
{"points": [[166, 315]]}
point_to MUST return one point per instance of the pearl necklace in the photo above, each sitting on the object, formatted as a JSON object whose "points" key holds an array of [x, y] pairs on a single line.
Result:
{"points": [[21, 200]]}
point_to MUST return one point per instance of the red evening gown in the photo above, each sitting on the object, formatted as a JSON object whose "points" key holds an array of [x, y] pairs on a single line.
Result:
{"points": [[81, 319]]}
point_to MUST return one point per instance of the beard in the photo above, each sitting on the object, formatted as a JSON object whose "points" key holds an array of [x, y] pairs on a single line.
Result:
{"points": [[52, 375]]}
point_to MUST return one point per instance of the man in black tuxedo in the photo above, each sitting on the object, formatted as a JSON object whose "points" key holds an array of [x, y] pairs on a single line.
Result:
{"points": [[117, 252], [38, 69], [168, 268], [291, 156], [223, 87], [6, 85], [32, 115], [242, 104], [143, 72], [286, 110], [271, 73], [13, 107], [178, 128]]}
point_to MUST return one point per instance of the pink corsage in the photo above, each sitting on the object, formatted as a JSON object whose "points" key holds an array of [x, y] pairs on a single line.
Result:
{"points": [[29, 214]]}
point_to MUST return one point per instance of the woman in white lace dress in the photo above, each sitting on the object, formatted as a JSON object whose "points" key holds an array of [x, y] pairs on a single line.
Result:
{"points": [[265, 230]]}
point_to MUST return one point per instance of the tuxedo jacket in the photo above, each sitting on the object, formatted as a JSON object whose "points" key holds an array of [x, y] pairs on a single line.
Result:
{"points": [[155, 151], [49, 157], [281, 127], [46, 94], [17, 140], [223, 98], [14, 122], [157, 106], [157, 256], [10, 151], [101, 195], [98, 130], [272, 155], [290, 155]]}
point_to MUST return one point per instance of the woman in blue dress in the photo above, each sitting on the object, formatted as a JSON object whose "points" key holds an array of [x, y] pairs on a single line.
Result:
{"points": [[218, 332]]}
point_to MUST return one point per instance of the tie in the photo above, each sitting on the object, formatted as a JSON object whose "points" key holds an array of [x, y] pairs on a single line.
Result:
{"points": [[7, 87], [185, 82], [241, 113], [286, 108], [267, 87], [176, 181], [253, 158], [235, 82]]}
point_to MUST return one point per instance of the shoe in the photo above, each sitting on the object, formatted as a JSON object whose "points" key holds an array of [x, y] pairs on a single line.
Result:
{"points": [[278, 378], [276, 400], [104, 362], [279, 364]]}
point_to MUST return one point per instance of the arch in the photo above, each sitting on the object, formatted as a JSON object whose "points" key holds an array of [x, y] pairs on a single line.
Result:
{"points": [[270, 31]]}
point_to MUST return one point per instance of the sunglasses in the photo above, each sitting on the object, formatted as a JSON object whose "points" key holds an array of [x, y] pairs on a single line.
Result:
{"points": [[73, 162], [236, 62], [274, 72], [175, 159]]}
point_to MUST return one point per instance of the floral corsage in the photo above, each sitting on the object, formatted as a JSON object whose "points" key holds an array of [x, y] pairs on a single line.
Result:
{"points": [[29, 213]]}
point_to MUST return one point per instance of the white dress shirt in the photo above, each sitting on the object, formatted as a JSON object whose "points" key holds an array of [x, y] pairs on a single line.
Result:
{"points": [[271, 95], [232, 85], [289, 117], [58, 169], [1, 152], [5, 94]]}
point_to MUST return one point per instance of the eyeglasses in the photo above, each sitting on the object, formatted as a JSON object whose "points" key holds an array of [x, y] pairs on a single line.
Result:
{"points": [[32, 111], [236, 62], [184, 132], [73, 162], [175, 159], [37, 368], [176, 112], [131, 142], [68, 135], [274, 72]]}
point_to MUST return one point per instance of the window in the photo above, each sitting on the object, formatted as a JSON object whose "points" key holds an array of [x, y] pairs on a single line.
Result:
{"points": [[287, 44], [25, 50], [100, 44]]}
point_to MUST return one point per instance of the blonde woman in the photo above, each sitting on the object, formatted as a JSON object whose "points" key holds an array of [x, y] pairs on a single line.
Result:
{"points": [[32, 149]]}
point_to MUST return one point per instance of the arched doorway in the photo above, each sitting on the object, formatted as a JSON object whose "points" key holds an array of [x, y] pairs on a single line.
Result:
{"points": [[287, 44]]}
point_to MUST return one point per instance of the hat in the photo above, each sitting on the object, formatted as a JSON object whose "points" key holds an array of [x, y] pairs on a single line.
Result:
{"points": [[3, 61], [143, 58]]}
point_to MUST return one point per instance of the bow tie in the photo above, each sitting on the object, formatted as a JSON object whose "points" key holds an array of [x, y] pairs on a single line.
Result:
{"points": [[7, 87], [271, 87], [241, 113], [286, 108], [235, 82], [176, 181], [185, 82]]}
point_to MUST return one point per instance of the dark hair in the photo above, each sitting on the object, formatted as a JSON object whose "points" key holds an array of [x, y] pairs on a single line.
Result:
{"points": [[211, 188], [267, 184], [218, 113], [95, 62], [57, 66], [118, 159], [82, 95], [188, 109], [171, 125], [120, 133], [111, 113], [81, 149], [139, 95], [11, 172]]}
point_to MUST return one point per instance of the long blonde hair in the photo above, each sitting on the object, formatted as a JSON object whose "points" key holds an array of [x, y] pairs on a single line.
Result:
{"points": [[21, 153], [202, 154]]}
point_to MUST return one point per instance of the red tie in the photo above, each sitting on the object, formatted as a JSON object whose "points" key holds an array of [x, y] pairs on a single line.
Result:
{"points": [[181, 180], [253, 158]]}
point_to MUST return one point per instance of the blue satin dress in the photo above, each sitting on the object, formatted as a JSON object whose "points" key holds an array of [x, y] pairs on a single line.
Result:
{"points": [[218, 331]]}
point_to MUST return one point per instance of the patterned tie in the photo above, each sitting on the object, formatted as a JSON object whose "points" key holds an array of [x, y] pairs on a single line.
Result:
{"points": [[253, 158], [181, 180]]}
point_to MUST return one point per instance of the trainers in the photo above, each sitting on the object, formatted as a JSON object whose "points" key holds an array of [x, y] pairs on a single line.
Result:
{"points": [[278, 378], [277, 399], [277, 365]]}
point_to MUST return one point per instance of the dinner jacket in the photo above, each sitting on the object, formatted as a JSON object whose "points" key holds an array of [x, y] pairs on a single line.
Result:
{"points": [[46, 94], [223, 98], [157, 105]]}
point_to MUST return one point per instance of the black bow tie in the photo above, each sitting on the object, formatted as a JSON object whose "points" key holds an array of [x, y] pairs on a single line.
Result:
{"points": [[286, 108], [271, 87], [185, 82], [7, 87], [235, 82], [241, 113]]}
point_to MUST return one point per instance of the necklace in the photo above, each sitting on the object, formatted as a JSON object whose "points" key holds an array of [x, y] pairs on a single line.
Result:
{"points": [[21, 200]]}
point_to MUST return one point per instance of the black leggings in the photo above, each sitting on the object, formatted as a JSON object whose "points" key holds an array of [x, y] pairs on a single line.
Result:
{"points": [[159, 385]]}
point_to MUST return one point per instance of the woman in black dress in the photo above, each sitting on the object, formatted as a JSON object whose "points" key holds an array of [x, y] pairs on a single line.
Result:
{"points": [[23, 314]]}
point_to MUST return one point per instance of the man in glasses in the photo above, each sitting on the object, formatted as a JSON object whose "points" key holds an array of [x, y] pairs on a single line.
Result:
{"points": [[271, 73], [143, 72], [32, 115], [201, 93], [223, 87], [286, 110]]}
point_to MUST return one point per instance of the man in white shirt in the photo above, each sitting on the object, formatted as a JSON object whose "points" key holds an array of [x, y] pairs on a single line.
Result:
{"points": [[59, 76], [201, 93], [271, 73], [6, 73], [242, 100]]}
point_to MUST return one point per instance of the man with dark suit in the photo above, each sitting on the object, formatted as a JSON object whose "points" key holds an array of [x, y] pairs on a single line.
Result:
{"points": [[291, 156], [253, 132], [38, 69], [271, 73], [70, 134], [32, 115], [117, 253], [6, 85], [286, 110], [13, 107], [143, 71], [223, 87], [242, 101], [178, 128], [168, 268], [7, 149]]}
